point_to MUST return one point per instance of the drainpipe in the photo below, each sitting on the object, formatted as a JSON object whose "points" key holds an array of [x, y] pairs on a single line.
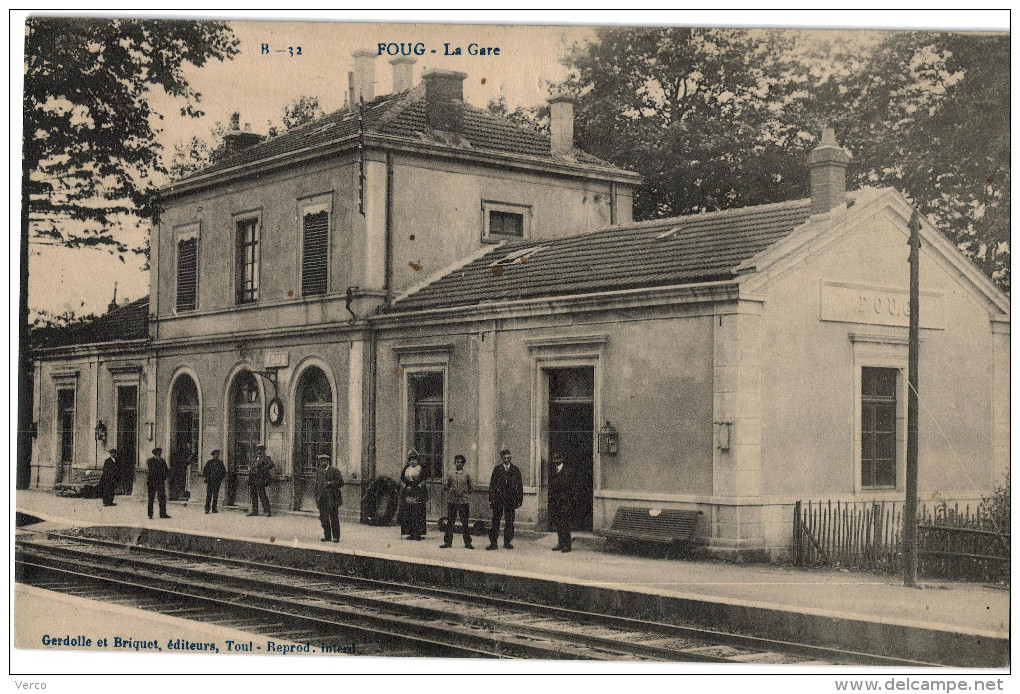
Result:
{"points": [[612, 203], [388, 276]]}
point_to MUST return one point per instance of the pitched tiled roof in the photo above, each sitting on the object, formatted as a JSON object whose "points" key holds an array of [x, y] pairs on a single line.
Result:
{"points": [[663, 252], [127, 322], [402, 115]]}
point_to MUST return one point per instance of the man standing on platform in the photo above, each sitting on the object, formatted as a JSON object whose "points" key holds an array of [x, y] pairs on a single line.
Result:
{"points": [[108, 481], [158, 472], [506, 494], [260, 475], [458, 495], [213, 472], [328, 498], [561, 502]]}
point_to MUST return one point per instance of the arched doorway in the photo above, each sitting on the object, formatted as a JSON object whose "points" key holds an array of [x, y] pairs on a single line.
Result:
{"points": [[184, 434], [314, 419], [244, 428]]}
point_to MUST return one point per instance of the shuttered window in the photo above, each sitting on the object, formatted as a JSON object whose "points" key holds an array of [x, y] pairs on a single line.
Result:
{"points": [[315, 253], [187, 274]]}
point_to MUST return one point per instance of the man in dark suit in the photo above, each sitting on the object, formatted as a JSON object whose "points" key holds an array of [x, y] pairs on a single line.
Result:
{"points": [[213, 472], [506, 494], [328, 498], [260, 475], [158, 472], [108, 481], [561, 501]]}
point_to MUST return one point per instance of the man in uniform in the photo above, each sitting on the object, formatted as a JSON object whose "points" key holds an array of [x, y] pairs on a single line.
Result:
{"points": [[158, 472], [561, 501], [214, 471], [108, 480], [458, 494], [328, 498], [260, 475], [506, 494]]}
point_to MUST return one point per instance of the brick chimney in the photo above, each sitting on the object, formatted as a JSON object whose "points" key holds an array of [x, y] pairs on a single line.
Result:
{"points": [[403, 77], [364, 76], [444, 100], [561, 120], [235, 139], [827, 163]]}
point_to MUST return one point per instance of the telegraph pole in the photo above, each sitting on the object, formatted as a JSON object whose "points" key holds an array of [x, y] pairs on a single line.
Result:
{"points": [[910, 505]]}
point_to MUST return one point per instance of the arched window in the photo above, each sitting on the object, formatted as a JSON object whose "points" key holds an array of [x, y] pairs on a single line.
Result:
{"points": [[314, 420], [245, 421], [184, 422]]}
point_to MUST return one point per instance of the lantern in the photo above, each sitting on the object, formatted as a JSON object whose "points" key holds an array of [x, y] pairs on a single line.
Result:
{"points": [[609, 439], [100, 431]]}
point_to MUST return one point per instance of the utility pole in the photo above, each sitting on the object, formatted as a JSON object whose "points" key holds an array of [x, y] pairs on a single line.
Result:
{"points": [[910, 505]]}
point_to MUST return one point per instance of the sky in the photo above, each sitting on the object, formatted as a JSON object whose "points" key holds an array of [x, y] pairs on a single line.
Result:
{"points": [[259, 85]]}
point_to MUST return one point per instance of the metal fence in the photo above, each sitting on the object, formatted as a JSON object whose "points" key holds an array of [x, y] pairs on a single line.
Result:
{"points": [[868, 535]]}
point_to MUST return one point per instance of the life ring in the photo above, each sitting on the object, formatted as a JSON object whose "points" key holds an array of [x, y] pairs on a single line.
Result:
{"points": [[379, 504]]}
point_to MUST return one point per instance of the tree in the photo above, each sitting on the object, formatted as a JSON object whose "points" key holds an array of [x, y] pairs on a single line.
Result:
{"points": [[698, 112], [928, 113], [196, 153], [89, 148], [534, 118], [302, 110]]}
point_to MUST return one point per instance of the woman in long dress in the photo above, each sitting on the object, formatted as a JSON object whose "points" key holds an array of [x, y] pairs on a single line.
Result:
{"points": [[414, 495]]}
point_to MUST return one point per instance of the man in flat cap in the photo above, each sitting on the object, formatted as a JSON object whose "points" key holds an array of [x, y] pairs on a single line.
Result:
{"points": [[260, 475], [506, 494], [214, 471], [156, 482], [108, 480], [328, 498]]}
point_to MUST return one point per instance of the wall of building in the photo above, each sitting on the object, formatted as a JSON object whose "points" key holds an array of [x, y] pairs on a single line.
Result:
{"points": [[95, 379], [214, 367], [438, 218], [810, 440], [653, 382], [277, 197]]}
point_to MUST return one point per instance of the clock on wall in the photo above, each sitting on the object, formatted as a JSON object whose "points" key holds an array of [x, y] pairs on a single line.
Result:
{"points": [[275, 411]]}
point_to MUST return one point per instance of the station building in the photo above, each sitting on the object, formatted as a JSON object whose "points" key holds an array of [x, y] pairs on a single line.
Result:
{"points": [[421, 273]]}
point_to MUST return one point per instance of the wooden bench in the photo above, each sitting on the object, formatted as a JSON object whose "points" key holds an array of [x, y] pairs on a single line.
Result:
{"points": [[670, 527], [84, 483]]}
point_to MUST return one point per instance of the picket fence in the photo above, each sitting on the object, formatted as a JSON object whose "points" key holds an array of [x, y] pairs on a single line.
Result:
{"points": [[952, 543]]}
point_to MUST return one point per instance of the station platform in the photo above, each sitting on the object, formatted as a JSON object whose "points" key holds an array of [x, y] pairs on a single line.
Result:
{"points": [[840, 597]]}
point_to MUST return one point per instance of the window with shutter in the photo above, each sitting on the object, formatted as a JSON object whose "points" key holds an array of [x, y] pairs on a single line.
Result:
{"points": [[315, 253], [187, 274]]}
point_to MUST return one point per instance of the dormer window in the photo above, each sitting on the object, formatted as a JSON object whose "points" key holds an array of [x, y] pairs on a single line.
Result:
{"points": [[504, 221]]}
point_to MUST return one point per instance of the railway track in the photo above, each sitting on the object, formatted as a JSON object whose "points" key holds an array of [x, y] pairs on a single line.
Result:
{"points": [[331, 611]]}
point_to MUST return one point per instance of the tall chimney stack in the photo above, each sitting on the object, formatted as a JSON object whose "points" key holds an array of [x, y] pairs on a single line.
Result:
{"points": [[402, 73], [364, 76], [561, 122], [827, 163], [444, 100]]}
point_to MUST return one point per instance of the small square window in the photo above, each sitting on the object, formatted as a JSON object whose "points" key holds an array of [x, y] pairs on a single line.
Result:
{"points": [[505, 221]]}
